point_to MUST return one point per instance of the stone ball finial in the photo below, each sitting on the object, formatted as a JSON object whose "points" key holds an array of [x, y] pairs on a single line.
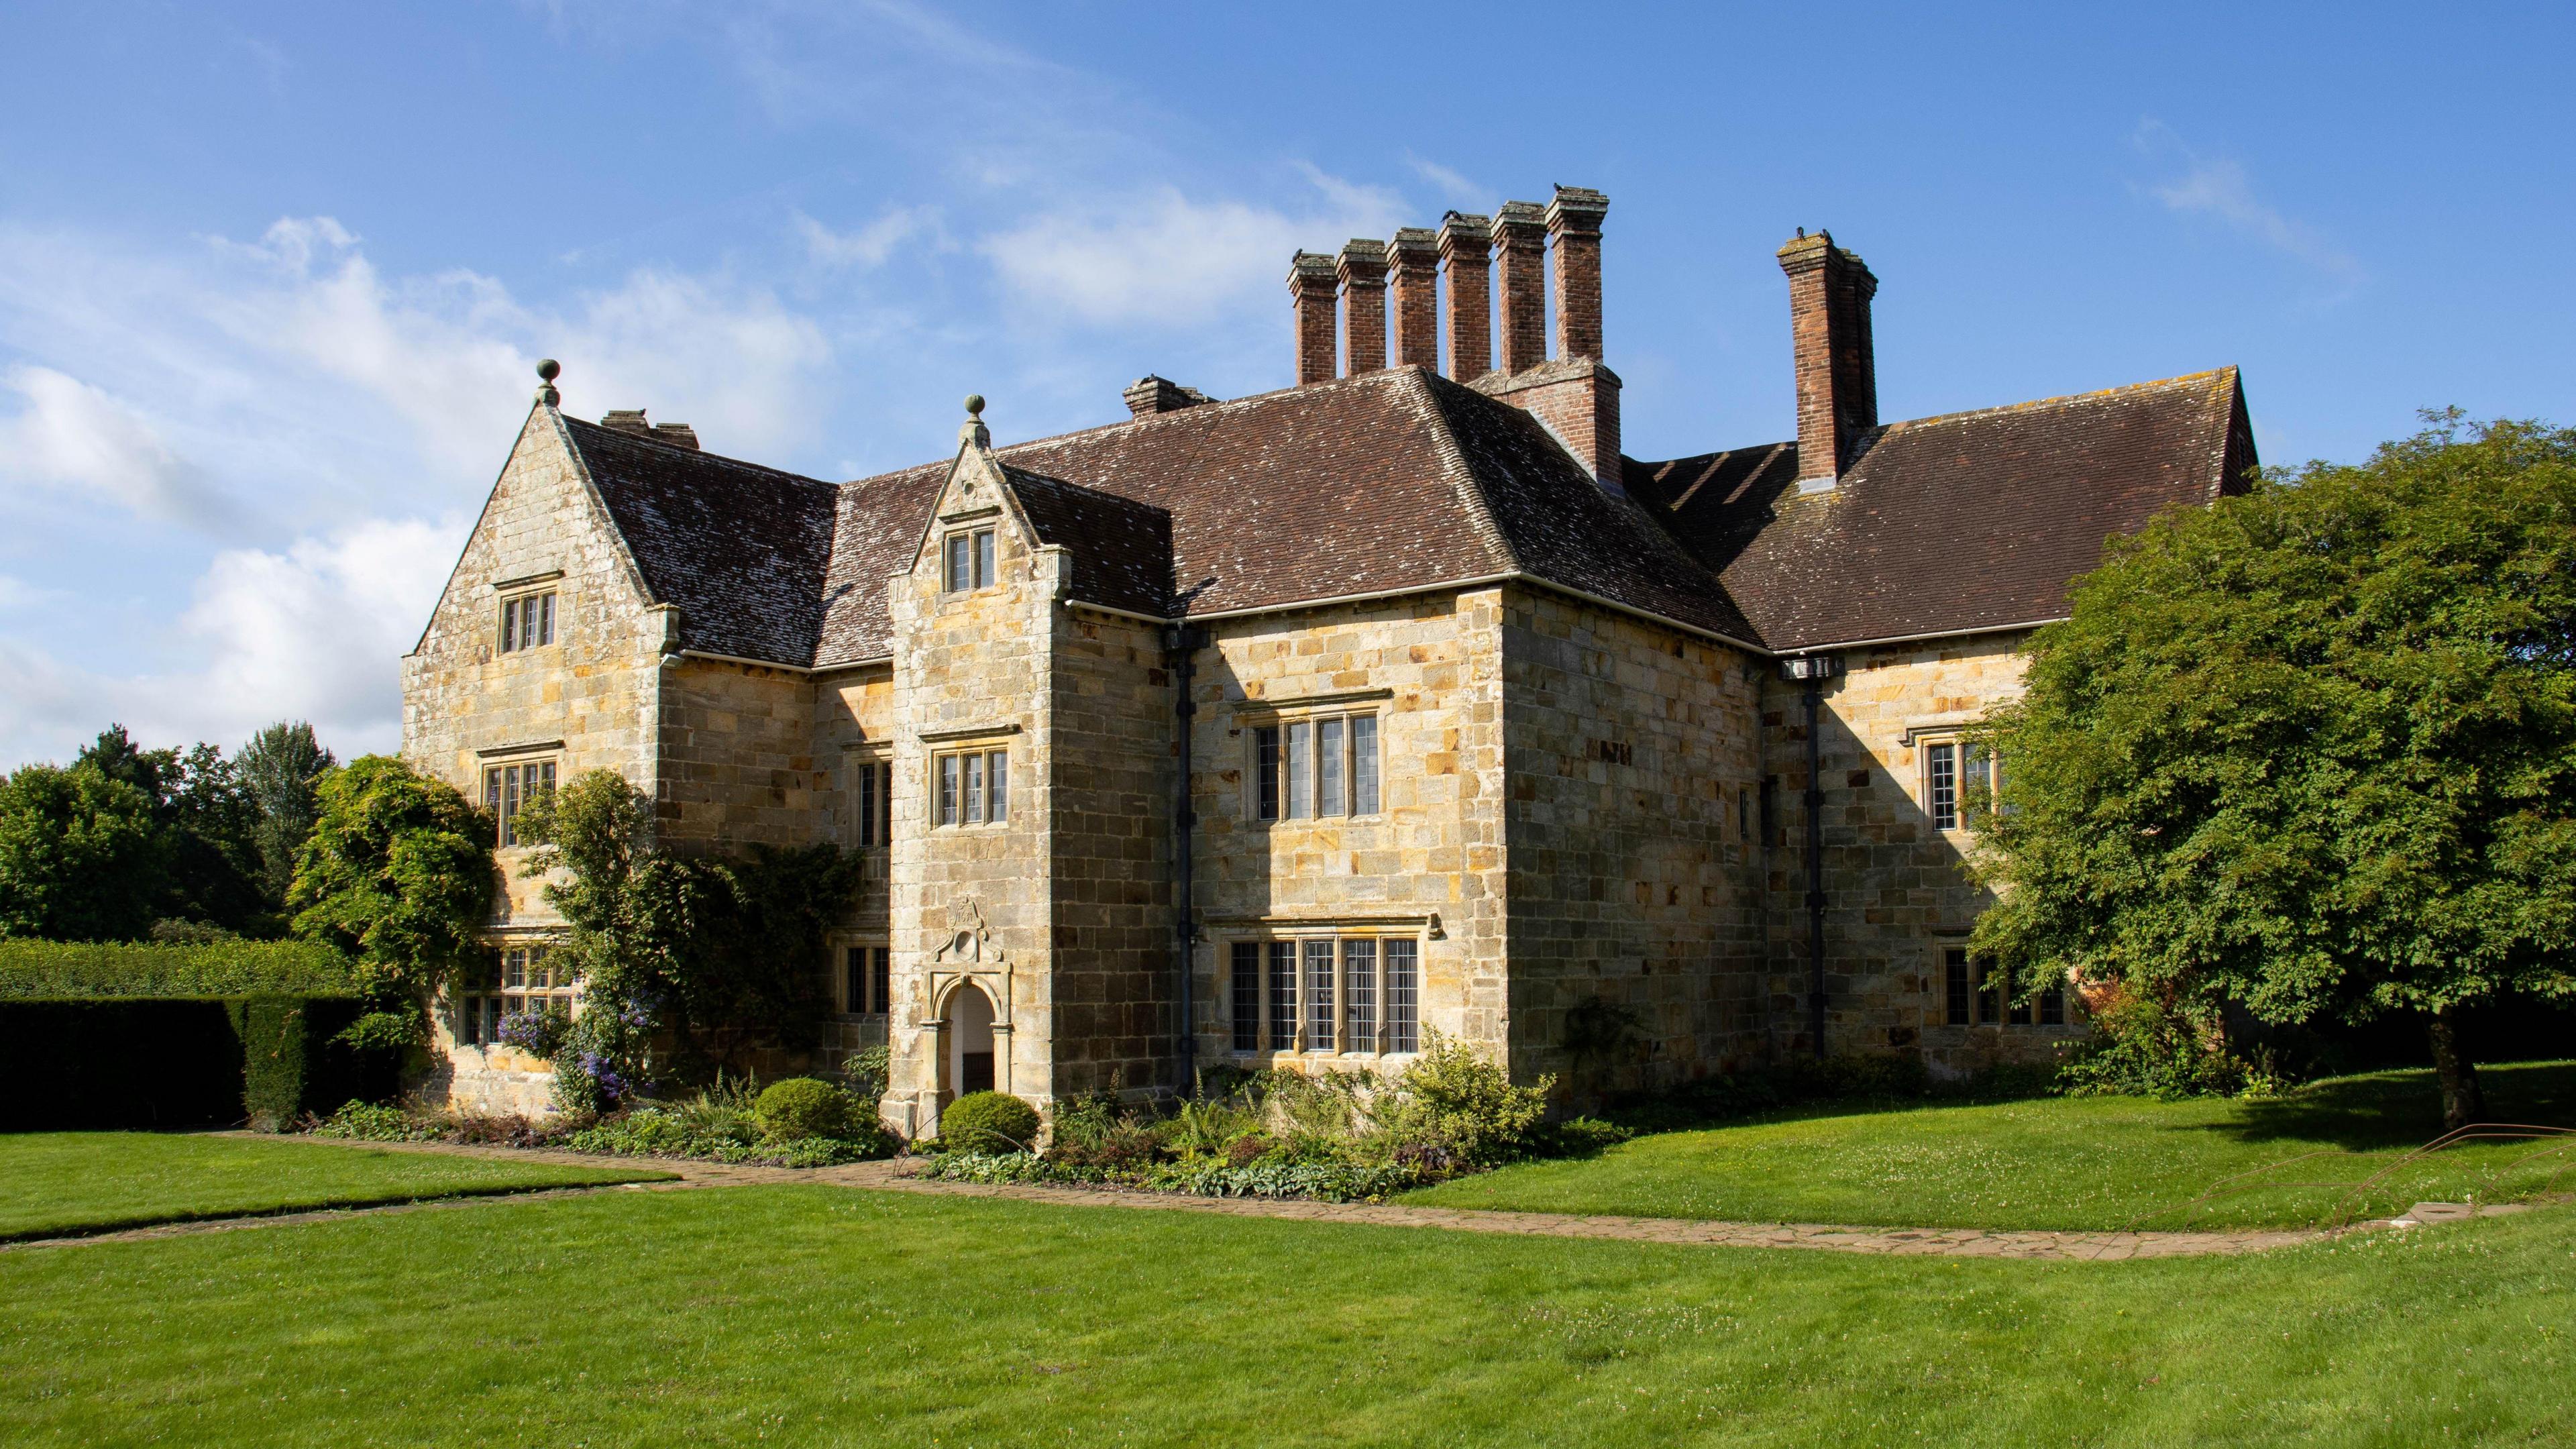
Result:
{"points": [[548, 369], [974, 404]]}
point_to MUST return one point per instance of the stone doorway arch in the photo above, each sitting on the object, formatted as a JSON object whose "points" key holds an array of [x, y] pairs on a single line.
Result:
{"points": [[968, 1064]]}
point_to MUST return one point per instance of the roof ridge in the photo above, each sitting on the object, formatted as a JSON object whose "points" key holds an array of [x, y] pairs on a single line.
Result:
{"points": [[2062, 399], [701, 454]]}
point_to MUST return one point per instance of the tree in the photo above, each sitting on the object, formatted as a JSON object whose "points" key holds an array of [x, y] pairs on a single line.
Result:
{"points": [[211, 873], [2312, 748], [282, 768], [398, 873], [83, 856]]}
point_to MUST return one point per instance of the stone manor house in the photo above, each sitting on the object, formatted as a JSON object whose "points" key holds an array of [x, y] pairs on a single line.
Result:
{"points": [[1286, 730]]}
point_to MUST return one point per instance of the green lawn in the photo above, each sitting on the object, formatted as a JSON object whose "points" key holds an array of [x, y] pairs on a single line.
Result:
{"points": [[818, 1315], [76, 1182], [2061, 1163]]}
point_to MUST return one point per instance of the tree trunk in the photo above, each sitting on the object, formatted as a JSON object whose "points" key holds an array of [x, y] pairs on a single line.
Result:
{"points": [[2462, 1102]]}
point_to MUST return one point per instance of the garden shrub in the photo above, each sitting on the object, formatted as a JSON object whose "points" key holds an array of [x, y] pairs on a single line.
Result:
{"points": [[988, 1122], [377, 1122], [1580, 1137], [541, 1034], [1452, 1100], [274, 1038], [803, 1107], [2142, 1047]]}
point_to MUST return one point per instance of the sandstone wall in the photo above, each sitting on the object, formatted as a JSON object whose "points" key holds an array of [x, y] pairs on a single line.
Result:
{"points": [[972, 904], [1636, 891], [1896, 898], [587, 701], [1428, 866], [854, 724], [739, 764], [1109, 803]]}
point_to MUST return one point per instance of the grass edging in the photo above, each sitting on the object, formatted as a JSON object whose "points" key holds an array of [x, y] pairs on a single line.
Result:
{"points": [[337, 1203]]}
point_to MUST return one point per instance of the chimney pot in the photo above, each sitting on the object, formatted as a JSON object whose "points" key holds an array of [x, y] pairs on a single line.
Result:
{"points": [[1363, 271], [1310, 290], [1574, 219], [1416, 255], [1520, 235], [1466, 254], [678, 435], [1837, 368]]}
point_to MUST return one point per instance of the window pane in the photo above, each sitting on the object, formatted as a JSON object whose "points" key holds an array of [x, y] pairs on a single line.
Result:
{"points": [[509, 804], [854, 979], [984, 559], [1403, 992], [1247, 996], [881, 973], [514, 969], [1359, 995], [1364, 765], [947, 789], [1319, 997], [1990, 987], [1943, 779], [865, 807], [1954, 988], [973, 809], [2052, 1006], [1283, 996], [885, 804], [546, 618], [509, 625], [1977, 788], [546, 772], [955, 579], [997, 786], [1328, 767], [1301, 768], [1265, 764]]}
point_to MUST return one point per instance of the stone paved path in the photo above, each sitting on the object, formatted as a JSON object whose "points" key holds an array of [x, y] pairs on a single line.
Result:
{"points": [[891, 1176]]}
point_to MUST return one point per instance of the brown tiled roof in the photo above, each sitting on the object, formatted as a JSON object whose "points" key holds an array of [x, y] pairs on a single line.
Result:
{"points": [[1122, 549], [739, 548], [1950, 524], [1401, 480], [1392, 480]]}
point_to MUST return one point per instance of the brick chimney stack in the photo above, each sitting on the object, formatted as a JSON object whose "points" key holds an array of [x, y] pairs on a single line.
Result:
{"points": [[1310, 288], [1363, 273], [1416, 255], [1466, 254], [1829, 299], [1520, 238], [1574, 220]]}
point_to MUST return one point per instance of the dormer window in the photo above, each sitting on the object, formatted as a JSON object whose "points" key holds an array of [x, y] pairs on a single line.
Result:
{"points": [[527, 621], [969, 560]]}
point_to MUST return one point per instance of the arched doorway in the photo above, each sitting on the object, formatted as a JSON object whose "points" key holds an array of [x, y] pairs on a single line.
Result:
{"points": [[970, 1041]]}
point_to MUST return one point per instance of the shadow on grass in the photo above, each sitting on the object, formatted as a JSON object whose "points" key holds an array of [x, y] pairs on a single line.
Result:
{"points": [[2403, 1109]]}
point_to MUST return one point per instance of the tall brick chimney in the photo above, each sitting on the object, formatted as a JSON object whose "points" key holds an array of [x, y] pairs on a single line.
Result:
{"points": [[1363, 272], [1829, 296], [1416, 255], [1466, 254], [1573, 393], [1520, 240], [1310, 288], [1574, 220]]}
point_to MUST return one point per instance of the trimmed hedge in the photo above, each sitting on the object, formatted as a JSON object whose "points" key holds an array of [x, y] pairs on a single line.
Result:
{"points": [[221, 971]]}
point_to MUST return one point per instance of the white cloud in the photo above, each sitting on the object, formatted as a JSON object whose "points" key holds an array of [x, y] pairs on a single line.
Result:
{"points": [[1162, 258], [2219, 187], [1451, 184], [870, 245], [70, 434]]}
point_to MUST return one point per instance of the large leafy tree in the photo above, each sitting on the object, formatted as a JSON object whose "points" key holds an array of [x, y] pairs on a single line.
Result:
{"points": [[211, 820], [281, 769], [2313, 748], [83, 856], [397, 873]]}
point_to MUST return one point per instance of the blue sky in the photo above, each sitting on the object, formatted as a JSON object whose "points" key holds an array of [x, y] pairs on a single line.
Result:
{"points": [[272, 277]]}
